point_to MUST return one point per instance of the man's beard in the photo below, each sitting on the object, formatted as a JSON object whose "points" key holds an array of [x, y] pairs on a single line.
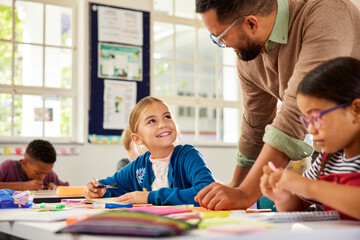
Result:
{"points": [[252, 50]]}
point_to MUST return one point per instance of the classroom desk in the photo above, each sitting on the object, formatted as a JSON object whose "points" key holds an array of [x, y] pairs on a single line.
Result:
{"points": [[329, 230]]}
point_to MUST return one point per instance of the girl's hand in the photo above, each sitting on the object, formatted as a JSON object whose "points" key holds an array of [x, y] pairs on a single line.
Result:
{"points": [[91, 192], [292, 182], [269, 185], [137, 197]]}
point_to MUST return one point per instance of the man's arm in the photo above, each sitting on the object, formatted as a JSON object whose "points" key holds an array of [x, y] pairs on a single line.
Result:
{"points": [[221, 197], [239, 176]]}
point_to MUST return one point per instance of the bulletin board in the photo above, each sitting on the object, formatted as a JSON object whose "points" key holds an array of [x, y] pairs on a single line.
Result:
{"points": [[119, 63]]}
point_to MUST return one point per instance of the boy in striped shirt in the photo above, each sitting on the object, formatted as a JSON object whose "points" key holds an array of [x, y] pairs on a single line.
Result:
{"points": [[34, 171]]}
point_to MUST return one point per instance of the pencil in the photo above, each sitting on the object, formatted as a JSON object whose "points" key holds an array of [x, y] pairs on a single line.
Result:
{"points": [[107, 186], [272, 166]]}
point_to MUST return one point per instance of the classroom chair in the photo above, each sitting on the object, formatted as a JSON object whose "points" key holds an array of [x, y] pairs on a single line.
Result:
{"points": [[265, 202]]}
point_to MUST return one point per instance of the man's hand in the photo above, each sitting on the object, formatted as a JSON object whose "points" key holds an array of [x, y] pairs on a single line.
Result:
{"points": [[220, 197], [137, 197], [217, 196]]}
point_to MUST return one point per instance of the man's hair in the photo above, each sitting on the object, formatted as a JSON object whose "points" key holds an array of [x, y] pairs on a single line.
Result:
{"points": [[229, 10], [41, 150]]}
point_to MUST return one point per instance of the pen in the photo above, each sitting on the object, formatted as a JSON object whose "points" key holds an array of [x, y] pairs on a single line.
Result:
{"points": [[48, 206], [71, 201], [258, 210], [184, 206], [272, 166], [111, 205], [106, 186]]}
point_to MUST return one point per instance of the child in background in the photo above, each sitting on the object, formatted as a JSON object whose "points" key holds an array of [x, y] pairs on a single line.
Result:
{"points": [[169, 174], [34, 172], [133, 150], [329, 98]]}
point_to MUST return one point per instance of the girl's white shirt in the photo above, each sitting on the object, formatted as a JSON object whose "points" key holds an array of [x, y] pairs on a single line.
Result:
{"points": [[160, 168]]}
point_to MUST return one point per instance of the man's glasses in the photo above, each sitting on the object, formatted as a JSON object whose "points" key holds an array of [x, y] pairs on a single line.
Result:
{"points": [[315, 118], [217, 40]]}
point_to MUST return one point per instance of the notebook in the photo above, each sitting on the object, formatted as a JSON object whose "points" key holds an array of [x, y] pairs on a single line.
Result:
{"points": [[281, 217], [126, 223], [158, 210]]}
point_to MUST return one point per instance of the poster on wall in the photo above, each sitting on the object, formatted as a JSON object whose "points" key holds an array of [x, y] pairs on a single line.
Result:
{"points": [[120, 61], [120, 26], [119, 100]]}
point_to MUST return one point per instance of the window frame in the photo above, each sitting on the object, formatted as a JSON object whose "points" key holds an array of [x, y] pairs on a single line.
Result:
{"points": [[194, 101], [44, 91]]}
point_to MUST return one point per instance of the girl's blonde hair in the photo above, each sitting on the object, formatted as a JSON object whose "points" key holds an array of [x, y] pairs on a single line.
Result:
{"points": [[139, 110], [126, 138]]}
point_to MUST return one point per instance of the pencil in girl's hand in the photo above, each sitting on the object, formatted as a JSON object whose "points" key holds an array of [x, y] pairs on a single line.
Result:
{"points": [[272, 166], [107, 186]]}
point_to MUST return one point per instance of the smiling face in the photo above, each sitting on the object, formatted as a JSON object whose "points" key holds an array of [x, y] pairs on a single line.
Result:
{"points": [[340, 128], [156, 130], [35, 169], [242, 36]]}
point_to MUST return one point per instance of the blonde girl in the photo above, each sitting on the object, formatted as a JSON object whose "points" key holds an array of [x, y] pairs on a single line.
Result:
{"points": [[167, 174]]}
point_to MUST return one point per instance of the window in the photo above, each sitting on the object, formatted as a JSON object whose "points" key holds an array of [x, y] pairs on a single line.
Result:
{"points": [[37, 63], [196, 78]]}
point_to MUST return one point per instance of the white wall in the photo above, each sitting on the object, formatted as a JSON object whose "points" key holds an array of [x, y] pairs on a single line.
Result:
{"points": [[95, 160], [100, 160]]}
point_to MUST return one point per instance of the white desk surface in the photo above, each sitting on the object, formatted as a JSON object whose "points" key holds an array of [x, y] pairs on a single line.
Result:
{"points": [[328, 230]]}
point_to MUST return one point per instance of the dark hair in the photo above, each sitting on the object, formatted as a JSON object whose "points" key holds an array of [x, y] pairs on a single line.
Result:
{"points": [[41, 150], [229, 10], [337, 80]]}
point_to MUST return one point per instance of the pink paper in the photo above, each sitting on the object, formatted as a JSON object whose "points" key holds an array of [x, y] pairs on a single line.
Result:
{"points": [[158, 210]]}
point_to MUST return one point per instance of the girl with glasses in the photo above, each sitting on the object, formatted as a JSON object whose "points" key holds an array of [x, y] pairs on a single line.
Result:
{"points": [[329, 98]]}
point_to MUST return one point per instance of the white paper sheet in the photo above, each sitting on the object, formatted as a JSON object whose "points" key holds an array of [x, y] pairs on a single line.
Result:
{"points": [[119, 100], [120, 26]]}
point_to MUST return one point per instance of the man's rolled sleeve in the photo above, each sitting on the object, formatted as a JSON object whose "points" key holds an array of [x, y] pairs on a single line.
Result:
{"points": [[244, 161], [295, 149]]}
